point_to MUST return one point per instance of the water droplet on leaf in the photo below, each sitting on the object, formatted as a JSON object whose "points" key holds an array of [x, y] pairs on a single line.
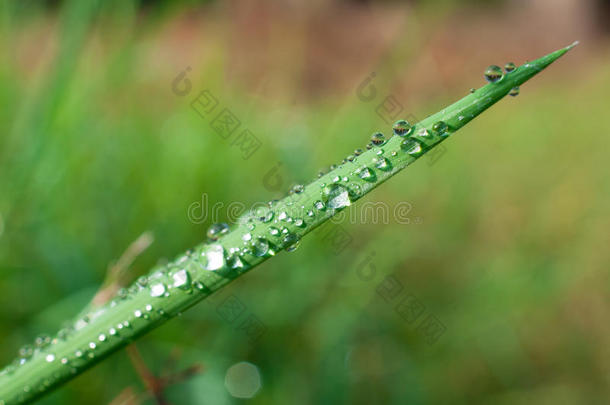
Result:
{"points": [[182, 279], [157, 290], [336, 196], [440, 128], [215, 256], [377, 139], [291, 241], [412, 147], [402, 128], [260, 247], [382, 163], [366, 174], [216, 230], [494, 74]]}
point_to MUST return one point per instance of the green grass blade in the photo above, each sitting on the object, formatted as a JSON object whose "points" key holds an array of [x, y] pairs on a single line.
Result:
{"points": [[193, 276]]}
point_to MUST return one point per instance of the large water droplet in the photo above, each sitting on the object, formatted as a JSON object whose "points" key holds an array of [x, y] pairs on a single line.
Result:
{"points": [[377, 139], [441, 128], [291, 241], [423, 133], [215, 255], [234, 261], [402, 128], [157, 290], [217, 230], [182, 279], [494, 74], [509, 67], [260, 247], [382, 163], [412, 147], [514, 92], [366, 174], [337, 196]]}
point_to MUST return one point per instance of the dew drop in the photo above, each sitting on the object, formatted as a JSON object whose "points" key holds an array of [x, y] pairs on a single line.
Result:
{"points": [[182, 279], [299, 222], [26, 351], [377, 139], [514, 92], [402, 128], [493, 74], [217, 230], [412, 147], [291, 241], [267, 217], [260, 247], [247, 237], [509, 67], [358, 152], [366, 174], [50, 357], [423, 133], [472, 90], [42, 341], [137, 313], [382, 163], [101, 337], [274, 231], [234, 261], [350, 158], [215, 257], [319, 205], [441, 128], [157, 290], [297, 189], [337, 196]]}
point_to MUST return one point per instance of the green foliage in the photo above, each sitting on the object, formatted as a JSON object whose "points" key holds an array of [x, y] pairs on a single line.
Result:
{"points": [[170, 289]]}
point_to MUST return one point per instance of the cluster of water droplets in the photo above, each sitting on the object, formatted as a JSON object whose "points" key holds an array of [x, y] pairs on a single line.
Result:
{"points": [[494, 74], [262, 233]]}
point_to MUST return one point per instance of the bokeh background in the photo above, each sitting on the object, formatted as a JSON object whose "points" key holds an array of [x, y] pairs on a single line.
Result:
{"points": [[507, 240]]}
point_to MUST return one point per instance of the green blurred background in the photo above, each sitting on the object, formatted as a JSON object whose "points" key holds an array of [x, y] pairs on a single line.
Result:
{"points": [[507, 241]]}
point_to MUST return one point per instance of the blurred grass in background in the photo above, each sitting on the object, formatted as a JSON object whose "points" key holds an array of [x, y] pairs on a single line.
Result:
{"points": [[507, 243]]}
